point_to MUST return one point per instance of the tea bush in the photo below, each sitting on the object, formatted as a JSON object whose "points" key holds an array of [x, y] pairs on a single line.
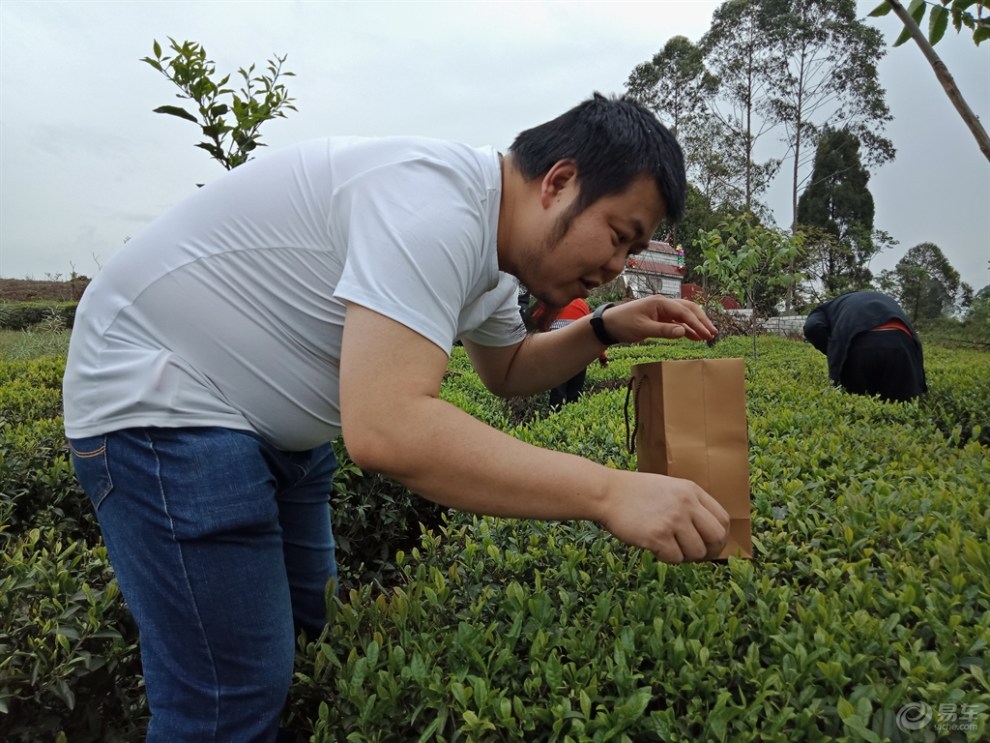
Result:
{"points": [[373, 517], [958, 400], [68, 648], [869, 589], [58, 587]]}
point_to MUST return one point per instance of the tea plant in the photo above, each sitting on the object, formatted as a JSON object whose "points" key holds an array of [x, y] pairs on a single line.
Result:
{"points": [[869, 589]]}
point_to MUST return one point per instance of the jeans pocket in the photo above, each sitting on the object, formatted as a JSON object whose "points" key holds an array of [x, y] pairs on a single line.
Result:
{"points": [[89, 458]]}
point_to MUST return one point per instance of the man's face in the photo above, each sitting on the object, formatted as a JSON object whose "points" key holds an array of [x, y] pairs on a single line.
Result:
{"points": [[579, 253]]}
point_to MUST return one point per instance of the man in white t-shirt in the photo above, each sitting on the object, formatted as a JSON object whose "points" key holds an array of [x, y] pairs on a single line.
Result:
{"points": [[318, 291]]}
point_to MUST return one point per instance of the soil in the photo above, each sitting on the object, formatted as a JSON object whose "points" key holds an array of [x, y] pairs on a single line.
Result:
{"points": [[30, 290]]}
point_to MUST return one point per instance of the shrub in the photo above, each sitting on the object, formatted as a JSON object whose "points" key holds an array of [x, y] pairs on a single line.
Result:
{"points": [[958, 399], [870, 590], [69, 650], [870, 587], [373, 517], [36, 478], [68, 660], [46, 315]]}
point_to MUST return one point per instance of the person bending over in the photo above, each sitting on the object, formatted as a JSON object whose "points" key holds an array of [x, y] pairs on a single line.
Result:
{"points": [[871, 346], [317, 291]]}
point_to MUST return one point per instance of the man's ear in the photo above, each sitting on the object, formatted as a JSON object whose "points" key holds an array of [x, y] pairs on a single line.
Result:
{"points": [[561, 176]]}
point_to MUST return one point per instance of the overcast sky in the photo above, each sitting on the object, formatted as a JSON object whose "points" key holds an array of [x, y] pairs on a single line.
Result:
{"points": [[85, 163]]}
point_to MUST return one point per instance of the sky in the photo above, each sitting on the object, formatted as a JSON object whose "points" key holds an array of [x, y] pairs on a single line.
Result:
{"points": [[85, 163]]}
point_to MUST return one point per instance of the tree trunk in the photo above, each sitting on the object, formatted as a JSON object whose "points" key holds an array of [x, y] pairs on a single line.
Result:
{"points": [[799, 113], [798, 117], [749, 126], [944, 77]]}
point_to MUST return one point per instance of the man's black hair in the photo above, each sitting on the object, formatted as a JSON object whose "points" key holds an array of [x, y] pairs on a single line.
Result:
{"points": [[613, 141]]}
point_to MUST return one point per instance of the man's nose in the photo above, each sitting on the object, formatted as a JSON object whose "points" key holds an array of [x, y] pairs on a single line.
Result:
{"points": [[614, 266]]}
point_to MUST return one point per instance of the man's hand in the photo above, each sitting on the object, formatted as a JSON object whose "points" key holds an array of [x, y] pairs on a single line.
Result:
{"points": [[658, 317], [544, 360], [672, 518]]}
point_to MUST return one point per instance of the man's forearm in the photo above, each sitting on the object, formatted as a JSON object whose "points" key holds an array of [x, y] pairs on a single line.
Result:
{"points": [[449, 457], [443, 454], [545, 360]]}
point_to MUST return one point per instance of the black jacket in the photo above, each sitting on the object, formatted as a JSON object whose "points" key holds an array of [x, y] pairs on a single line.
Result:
{"points": [[832, 326]]}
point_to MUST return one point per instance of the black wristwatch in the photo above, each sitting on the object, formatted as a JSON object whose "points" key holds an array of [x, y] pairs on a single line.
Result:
{"points": [[598, 324]]}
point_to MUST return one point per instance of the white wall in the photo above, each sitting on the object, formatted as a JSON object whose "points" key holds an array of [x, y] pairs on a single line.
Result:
{"points": [[648, 284]]}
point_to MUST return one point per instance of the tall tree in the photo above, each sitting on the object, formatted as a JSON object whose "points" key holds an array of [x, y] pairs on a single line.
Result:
{"points": [[838, 202], [828, 74], [714, 163], [674, 84], [926, 283], [738, 49]]}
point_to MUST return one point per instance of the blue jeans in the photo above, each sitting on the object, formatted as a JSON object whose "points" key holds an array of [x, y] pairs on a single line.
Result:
{"points": [[222, 547]]}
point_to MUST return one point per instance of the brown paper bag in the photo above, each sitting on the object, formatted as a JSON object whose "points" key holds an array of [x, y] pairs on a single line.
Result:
{"points": [[691, 423]]}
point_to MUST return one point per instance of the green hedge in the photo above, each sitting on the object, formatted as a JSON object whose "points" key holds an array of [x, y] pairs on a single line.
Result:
{"points": [[48, 315], [869, 591]]}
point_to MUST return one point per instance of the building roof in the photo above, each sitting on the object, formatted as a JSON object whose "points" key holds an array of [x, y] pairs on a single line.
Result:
{"points": [[658, 259], [662, 247], [637, 264]]}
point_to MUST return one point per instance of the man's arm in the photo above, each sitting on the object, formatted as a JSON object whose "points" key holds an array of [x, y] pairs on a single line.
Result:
{"points": [[394, 422], [544, 360]]}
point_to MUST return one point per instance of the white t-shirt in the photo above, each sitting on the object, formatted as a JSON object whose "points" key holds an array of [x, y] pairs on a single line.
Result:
{"points": [[228, 310]]}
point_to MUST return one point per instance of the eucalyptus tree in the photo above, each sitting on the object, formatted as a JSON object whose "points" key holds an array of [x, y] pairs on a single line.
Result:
{"points": [[674, 84], [738, 49], [716, 162], [827, 77]]}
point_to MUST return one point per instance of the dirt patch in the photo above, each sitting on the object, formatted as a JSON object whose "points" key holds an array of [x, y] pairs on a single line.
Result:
{"points": [[30, 290]]}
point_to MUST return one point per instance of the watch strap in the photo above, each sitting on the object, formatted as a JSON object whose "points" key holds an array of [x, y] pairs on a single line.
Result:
{"points": [[598, 325]]}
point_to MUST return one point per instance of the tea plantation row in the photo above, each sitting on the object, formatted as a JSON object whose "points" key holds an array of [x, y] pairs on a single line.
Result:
{"points": [[867, 602]]}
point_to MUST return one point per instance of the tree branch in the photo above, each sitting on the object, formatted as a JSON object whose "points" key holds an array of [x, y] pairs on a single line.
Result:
{"points": [[944, 77]]}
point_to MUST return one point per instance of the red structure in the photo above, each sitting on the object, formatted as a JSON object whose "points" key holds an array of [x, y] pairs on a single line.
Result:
{"points": [[690, 291]]}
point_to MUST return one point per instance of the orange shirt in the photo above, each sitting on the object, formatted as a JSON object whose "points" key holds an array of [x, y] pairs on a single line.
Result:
{"points": [[577, 309]]}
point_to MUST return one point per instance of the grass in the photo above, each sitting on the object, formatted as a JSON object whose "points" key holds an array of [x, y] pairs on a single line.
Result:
{"points": [[20, 345]]}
